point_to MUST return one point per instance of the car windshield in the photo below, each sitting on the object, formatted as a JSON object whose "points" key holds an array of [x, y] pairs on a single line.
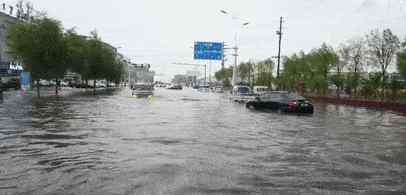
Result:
{"points": [[293, 96], [243, 90], [142, 87]]}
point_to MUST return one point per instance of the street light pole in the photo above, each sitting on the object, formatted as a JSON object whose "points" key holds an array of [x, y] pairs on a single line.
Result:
{"points": [[235, 68], [205, 76]]}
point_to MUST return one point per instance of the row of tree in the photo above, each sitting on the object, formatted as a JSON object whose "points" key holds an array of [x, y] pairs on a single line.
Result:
{"points": [[255, 73], [48, 52], [358, 67]]}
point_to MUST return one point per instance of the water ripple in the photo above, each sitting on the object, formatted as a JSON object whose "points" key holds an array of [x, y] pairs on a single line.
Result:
{"points": [[186, 142]]}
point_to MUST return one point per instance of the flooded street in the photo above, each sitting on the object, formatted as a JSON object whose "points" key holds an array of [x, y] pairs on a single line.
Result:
{"points": [[186, 142]]}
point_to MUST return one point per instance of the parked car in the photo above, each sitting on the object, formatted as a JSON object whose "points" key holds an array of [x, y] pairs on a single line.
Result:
{"points": [[13, 83], [64, 84], [100, 84], [241, 90], [44, 83], [82, 85], [282, 101], [218, 90], [204, 88], [52, 82], [242, 94], [260, 90]]}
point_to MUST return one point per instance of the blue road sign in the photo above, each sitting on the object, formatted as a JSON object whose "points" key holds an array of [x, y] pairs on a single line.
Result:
{"points": [[25, 79], [208, 51]]}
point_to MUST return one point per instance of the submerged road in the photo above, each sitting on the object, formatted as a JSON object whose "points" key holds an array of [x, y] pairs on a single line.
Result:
{"points": [[186, 142]]}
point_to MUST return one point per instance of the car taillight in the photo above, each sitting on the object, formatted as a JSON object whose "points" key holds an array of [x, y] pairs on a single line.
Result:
{"points": [[292, 103]]}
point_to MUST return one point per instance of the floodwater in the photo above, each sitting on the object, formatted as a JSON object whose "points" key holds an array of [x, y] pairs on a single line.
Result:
{"points": [[186, 142]]}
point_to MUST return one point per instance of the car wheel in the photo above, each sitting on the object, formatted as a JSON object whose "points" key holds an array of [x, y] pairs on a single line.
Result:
{"points": [[283, 110], [250, 106]]}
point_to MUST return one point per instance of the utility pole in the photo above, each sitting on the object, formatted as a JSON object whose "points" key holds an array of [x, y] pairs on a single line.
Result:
{"points": [[235, 68], [223, 58], [209, 72], [205, 76], [279, 32]]}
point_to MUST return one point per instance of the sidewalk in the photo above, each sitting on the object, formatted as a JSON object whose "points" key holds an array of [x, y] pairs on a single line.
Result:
{"points": [[399, 107], [47, 92]]}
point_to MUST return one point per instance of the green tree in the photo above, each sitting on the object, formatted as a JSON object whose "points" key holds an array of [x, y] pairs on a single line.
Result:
{"points": [[295, 71], [352, 82], [244, 70], [395, 86], [357, 53], [370, 85], [401, 62], [338, 79], [263, 72], [383, 47], [40, 46], [321, 61], [101, 59], [116, 72], [77, 53], [225, 75]]}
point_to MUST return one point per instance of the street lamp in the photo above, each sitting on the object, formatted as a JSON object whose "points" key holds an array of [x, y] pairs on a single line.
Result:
{"points": [[241, 25]]}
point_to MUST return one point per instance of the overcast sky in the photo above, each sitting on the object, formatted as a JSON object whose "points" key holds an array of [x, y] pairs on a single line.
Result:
{"points": [[161, 32]]}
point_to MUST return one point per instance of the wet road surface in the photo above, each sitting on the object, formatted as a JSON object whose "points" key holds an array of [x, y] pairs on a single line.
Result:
{"points": [[186, 142]]}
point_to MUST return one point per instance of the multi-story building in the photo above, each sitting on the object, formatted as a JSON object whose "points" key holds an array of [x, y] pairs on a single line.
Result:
{"points": [[7, 66]]}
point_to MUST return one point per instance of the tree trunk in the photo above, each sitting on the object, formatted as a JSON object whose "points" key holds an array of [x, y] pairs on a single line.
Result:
{"points": [[94, 87], [38, 92], [339, 87], [357, 78], [87, 84], [383, 85], [56, 87]]}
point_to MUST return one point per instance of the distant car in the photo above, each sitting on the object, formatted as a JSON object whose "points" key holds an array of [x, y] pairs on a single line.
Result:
{"points": [[82, 85], [52, 83], [44, 83], [260, 90], [100, 84], [64, 84], [204, 88], [218, 90], [242, 94], [175, 87], [282, 101], [241, 90]]}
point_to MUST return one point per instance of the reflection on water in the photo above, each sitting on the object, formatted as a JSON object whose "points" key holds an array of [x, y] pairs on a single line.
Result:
{"points": [[186, 142]]}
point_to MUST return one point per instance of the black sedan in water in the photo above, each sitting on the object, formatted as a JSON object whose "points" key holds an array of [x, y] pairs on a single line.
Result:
{"points": [[13, 83], [282, 101]]}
